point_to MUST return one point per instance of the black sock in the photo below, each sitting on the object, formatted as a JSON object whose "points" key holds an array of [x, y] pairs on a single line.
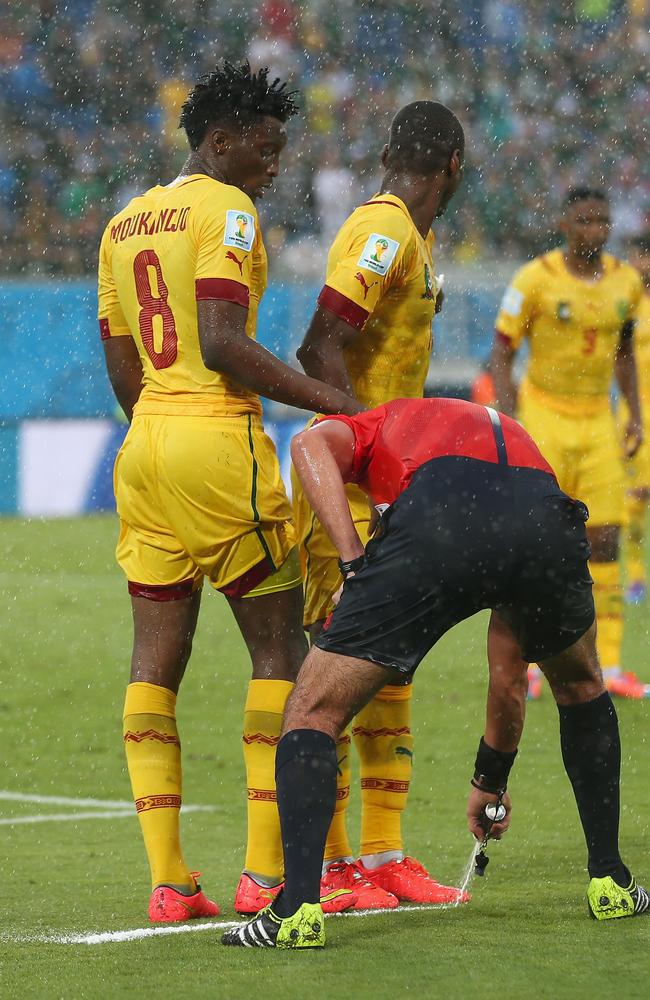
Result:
{"points": [[305, 780], [591, 751]]}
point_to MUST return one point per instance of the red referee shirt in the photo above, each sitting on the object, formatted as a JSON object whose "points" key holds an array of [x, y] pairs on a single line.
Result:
{"points": [[395, 439]]}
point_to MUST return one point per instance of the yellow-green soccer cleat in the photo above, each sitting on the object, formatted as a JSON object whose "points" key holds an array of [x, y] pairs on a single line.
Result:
{"points": [[608, 901], [305, 929]]}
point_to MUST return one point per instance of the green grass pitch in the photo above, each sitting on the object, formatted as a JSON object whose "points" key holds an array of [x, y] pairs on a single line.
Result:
{"points": [[65, 636]]}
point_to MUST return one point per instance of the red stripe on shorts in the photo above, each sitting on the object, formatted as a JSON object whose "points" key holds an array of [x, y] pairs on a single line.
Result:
{"points": [[248, 580], [173, 592]]}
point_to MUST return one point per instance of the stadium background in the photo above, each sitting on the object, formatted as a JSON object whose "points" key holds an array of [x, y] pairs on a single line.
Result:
{"points": [[89, 98]]}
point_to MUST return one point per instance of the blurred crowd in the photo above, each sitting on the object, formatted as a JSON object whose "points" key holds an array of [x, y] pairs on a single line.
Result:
{"points": [[550, 94]]}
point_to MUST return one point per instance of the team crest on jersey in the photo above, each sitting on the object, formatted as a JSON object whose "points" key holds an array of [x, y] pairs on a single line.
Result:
{"points": [[563, 311], [378, 253], [240, 230], [429, 288]]}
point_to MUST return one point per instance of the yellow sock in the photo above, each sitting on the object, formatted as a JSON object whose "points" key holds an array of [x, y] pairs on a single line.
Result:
{"points": [[262, 724], [382, 734], [338, 842], [634, 541], [609, 611], [153, 756]]}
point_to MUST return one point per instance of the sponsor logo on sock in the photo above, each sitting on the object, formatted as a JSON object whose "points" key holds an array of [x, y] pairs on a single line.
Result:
{"points": [[404, 751]]}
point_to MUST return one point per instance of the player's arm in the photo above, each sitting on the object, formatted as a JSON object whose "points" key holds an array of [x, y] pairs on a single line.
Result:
{"points": [[321, 352], [122, 359], [323, 457], [626, 378], [124, 372], [355, 285], [226, 348], [501, 363], [511, 325]]}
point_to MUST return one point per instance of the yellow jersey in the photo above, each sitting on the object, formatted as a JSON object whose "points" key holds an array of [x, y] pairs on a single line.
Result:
{"points": [[380, 280], [573, 328], [196, 238]]}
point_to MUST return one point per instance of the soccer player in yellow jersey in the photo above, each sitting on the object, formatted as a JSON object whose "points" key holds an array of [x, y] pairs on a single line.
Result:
{"points": [[577, 307], [371, 337], [181, 272], [638, 468]]}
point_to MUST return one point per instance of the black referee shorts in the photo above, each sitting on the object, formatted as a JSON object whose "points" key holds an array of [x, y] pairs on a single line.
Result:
{"points": [[464, 536]]}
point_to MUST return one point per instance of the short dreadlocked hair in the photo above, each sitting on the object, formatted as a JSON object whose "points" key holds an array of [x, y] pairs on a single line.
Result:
{"points": [[575, 194], [641, 243], [236, 95]]}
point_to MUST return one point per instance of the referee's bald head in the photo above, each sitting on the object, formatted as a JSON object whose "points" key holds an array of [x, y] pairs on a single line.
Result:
{"points": [[423, 137]]}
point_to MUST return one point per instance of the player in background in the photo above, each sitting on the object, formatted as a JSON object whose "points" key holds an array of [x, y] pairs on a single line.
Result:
{"points": [[181, 272], [370, 336], [474, 519], [638, 468], [576, 307]]}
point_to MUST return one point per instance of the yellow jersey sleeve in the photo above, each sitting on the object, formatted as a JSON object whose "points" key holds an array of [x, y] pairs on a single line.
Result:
{"points": [[366, 259], [227, 237], [112, 322], [518, 305]]}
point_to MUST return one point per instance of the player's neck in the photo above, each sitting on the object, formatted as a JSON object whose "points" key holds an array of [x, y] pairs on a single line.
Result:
{"points": [[588, 268], [419, 196], [196, 163]]}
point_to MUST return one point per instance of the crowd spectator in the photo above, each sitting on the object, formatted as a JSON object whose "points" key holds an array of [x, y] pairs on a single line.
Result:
{"points": [[550, 94]]}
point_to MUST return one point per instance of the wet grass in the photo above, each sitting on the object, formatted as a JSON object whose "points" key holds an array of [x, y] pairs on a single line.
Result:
{"points": [[64, 649]]}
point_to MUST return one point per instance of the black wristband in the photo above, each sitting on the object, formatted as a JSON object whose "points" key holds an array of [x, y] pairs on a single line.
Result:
{"points": [[351, 566], [492, 768]]}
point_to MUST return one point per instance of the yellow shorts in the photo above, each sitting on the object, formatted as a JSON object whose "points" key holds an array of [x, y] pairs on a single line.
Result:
{"points": [[637, 469], [585, 454], [318, 557], [202, 496]]}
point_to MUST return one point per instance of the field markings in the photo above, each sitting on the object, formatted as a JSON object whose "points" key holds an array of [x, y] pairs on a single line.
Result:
{"points": [[139, 933], [102, 808]]}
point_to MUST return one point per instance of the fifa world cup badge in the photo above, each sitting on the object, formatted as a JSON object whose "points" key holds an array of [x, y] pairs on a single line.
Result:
{"points": [[563, 311]]}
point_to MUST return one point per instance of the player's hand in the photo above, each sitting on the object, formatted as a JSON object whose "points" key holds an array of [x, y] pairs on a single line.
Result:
{"points": [[440, 298], [633, 437], [476, 818]]}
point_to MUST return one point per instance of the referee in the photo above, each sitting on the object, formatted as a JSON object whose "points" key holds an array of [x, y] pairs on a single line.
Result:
{"points": [[472, 518]]}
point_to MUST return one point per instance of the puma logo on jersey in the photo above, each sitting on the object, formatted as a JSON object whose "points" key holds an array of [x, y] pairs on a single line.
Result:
{"points": [[240, 263], [364, 284]]}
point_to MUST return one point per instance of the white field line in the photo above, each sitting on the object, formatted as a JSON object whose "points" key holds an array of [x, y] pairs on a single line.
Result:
{"points": [[71, 817], [63, 800], [138, 934]]}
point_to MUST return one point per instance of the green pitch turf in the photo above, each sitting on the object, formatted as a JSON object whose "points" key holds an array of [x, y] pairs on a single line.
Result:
{"points": [[64, 648]]}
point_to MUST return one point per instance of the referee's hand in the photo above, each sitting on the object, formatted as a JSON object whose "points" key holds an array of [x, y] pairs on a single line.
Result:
{"points": [[476, 819]]}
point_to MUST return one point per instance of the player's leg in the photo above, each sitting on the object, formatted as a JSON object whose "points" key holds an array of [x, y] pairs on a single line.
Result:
{"points": [[555, 434], [321, 579], [165, 605], [270, 624], [552, 616], [591, 752], [163, 632], [330, 690], [601, 486], [636, 503]]}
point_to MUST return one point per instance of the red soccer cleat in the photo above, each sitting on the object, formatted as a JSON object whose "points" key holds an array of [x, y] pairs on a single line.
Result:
{"points": [[251, 897], [535, 684], [627, 685], [410, 882], [167, 905], [352, 877]]}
